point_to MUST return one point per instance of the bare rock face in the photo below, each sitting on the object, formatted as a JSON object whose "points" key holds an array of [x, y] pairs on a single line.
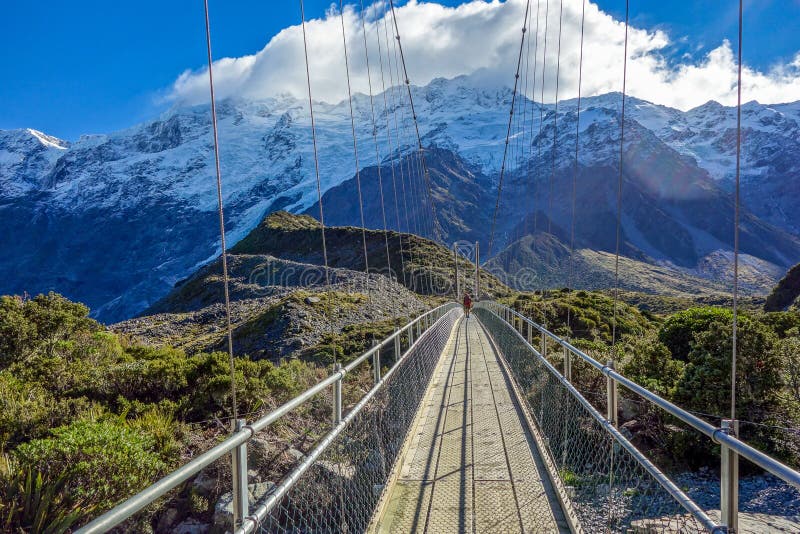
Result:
{"points": [[191, 526], [223, 509], [748, 522]]}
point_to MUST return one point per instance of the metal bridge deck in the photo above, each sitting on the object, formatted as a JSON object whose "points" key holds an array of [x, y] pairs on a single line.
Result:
{"points": [[469, 463]]}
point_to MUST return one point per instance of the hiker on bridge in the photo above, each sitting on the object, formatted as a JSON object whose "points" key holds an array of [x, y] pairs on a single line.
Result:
{"points": [[467, 304]]}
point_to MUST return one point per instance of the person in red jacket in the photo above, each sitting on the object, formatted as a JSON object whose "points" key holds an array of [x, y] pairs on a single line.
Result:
{"points": [[467, 304]]}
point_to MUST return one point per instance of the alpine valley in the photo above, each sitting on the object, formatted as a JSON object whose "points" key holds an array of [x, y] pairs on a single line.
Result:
{"points": [[117, 220]]}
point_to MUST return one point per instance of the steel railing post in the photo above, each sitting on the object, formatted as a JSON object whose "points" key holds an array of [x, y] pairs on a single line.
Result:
{"points": [[567, 364], [337, 396], [544, 345], [530, 333], [376, 365], [410, 335], [397, 349], [729, 479], [612, 397], [241, 507]]}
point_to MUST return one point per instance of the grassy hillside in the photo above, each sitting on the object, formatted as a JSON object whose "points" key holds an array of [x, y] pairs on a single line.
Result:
{"points": [[420, 264]]}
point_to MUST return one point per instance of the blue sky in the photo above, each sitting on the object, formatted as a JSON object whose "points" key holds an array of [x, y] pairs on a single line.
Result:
{"points": [[93, 67]]}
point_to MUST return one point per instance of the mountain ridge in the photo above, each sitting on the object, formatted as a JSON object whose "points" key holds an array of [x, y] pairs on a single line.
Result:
{"points": [[116, 220]]}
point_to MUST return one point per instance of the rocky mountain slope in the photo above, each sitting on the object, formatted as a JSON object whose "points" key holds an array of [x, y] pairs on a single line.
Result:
{"points": [[542, 261], [281, 306], [786, 292], [116, 220]]}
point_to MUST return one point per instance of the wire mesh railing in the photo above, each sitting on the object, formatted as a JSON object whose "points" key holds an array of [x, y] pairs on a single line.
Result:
{"points": [[351, 459], [610, 485], [337, 487]]}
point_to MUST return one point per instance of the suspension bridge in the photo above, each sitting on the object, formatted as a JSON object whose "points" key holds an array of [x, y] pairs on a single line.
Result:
{"points": [[476, 424]]}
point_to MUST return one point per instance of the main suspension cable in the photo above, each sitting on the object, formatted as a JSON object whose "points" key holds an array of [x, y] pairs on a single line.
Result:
{"points": [[508, 130], [225, 280], [619, 182]]}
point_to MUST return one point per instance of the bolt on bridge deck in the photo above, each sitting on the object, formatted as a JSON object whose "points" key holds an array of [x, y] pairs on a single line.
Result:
{"points": [[469, 463]]}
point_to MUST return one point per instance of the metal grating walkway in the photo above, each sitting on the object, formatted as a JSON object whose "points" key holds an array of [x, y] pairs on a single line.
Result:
{"points": [[469, 464]]}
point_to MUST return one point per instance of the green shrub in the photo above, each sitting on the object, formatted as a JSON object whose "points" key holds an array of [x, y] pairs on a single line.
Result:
{"points": [[56, 319], [784, 324], [16, 331], [649, 363], [28, 410], [582, 314], [787, 353], [167, 434], [706, 382], [101, 462], [678, 331], [151, 374]]}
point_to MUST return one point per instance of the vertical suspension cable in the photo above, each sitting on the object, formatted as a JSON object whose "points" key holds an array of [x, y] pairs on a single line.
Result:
{"points": [[508, 130], [314, 145], [535, 182], [316, 169], [619, 181], [391, 148], [355, 145], [734, 340], [395, 105], [400, 131], [525, 144], [228, 328], [426, 175], [541, 98], [375, 139], [555, 124], [408, 160], [570, 274]]}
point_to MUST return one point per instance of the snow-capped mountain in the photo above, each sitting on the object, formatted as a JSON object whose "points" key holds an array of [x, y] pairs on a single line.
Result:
{"points": [[115, 220]]}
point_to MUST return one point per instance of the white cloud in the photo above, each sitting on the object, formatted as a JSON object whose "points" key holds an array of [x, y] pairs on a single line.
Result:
{"points": [[482, 38]]}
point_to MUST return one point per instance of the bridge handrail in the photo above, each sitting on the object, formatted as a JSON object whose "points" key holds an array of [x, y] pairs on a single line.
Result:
{"points": [[718, 435], [676, 493], [138, 502]]}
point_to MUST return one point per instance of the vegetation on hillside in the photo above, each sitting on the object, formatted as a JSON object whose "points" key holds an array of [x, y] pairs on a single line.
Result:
{"points": [[420, 264], [88, 418], [686, 357]]}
